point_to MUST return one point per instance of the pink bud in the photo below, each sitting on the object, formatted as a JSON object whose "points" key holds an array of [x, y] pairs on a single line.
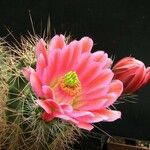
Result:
{"points": [[132, 73]]}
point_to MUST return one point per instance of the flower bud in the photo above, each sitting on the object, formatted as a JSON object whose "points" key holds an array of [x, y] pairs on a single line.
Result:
{"points": [[132, 73]]}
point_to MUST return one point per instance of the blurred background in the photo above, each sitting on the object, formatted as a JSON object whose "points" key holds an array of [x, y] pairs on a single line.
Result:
{"points": [[120, 28]]}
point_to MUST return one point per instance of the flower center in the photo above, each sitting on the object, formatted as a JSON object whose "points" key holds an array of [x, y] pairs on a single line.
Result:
{"points": [[70, 84], [71, 79]]}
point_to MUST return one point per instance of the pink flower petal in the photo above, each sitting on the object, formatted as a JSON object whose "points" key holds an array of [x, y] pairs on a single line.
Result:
{"points": [[90, 76], [49, 106], [102, 59], [53, 69], [41, 64], [95, 93], [47, 116], [102, 115], [90, 119], [45, 106], [36, 84], [108, 115], [55, 62], [82, 64], [116, 87], [67, 118], [85, 126], [62, 97], [46, 78], [47, 75], [57, 42], [111, 98], [90, 105], [86, 44], [27, 71], [115, 90], [66, 108], [81, 113], [40, 49], [89, 70], [67, 56], [99, 56], [76, 54], [47, 92], [109, 63], [103, 79]]}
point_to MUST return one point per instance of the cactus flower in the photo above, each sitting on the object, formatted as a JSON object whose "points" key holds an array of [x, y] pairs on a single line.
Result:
{"points": [[132, 73], [72, 83]]}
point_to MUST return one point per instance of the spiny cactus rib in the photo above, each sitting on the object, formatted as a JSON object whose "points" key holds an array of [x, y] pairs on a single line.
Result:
{"points": [[20, 117]]}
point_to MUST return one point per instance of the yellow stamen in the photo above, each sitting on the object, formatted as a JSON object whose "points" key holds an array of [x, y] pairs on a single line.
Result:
{"points": [[71, 79], [70, 84]]}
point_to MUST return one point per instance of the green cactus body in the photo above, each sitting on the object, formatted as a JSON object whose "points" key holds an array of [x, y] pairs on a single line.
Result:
{"points": [[23, 126]]}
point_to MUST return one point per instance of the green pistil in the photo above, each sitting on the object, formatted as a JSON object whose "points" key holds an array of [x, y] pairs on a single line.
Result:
{"points": [[71, 79]]}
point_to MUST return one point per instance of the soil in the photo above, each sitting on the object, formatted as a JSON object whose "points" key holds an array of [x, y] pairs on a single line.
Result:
{"points": [[133, 142]]}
